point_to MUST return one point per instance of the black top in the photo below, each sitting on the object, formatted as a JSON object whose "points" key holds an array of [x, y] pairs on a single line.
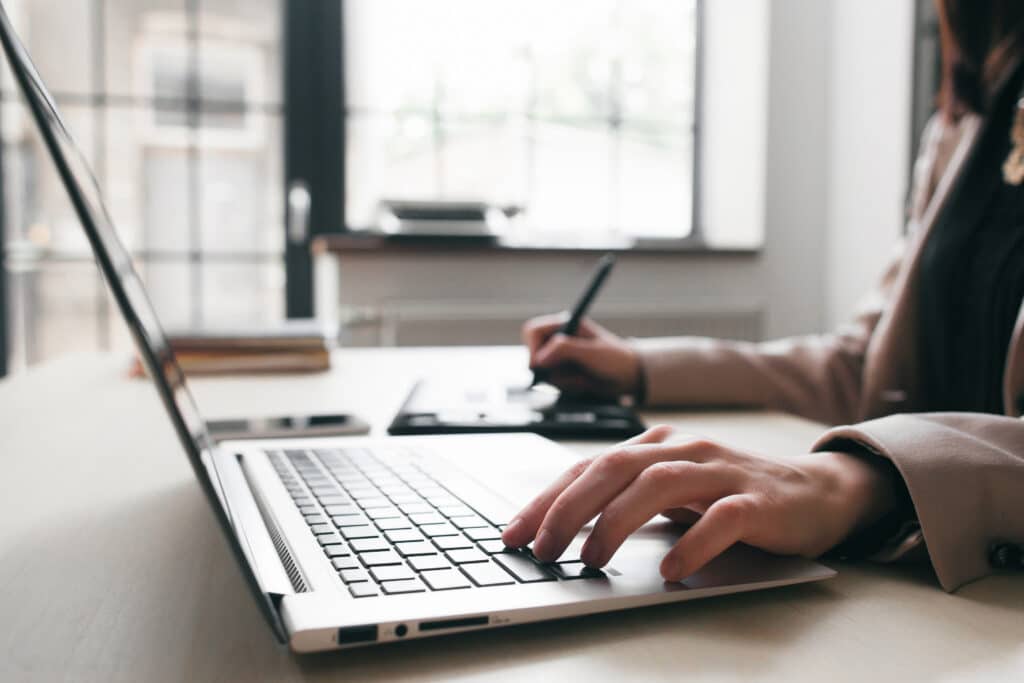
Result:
{"points": [[972, 275]]}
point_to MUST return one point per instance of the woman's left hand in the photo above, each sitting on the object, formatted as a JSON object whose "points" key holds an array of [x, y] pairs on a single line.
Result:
{"points": [[802, 505]]}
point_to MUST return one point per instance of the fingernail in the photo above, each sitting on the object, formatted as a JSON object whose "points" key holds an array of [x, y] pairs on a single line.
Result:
{"points": [[511, 532], [542, 549], [672, 569], [591, 553]]}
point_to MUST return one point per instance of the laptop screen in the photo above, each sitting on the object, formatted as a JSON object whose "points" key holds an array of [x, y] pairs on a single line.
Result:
{"points": [[128, 291]]}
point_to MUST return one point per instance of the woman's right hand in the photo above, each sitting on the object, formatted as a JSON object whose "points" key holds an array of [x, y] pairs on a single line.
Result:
{"points": [[594, 362]]}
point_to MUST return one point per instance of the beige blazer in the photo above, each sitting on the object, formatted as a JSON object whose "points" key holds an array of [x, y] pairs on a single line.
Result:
{"points": [[964, 471]]}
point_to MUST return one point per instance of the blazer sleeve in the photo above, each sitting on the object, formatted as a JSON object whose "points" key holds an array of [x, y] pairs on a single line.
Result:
{"points": [[965, 476], [818, 377]]}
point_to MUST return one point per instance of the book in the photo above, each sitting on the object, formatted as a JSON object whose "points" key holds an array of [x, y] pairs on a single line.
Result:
{"points": [[293, 346]]}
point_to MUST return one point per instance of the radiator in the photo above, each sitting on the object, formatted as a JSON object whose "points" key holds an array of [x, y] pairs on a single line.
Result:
{"points": [[412, 323]]}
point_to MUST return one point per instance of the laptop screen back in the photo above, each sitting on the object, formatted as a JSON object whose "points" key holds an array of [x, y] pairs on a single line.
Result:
{"points": [[128, 291]]}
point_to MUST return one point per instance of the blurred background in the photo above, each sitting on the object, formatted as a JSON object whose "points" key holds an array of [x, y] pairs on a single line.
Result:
{"points": [[750, 158]]}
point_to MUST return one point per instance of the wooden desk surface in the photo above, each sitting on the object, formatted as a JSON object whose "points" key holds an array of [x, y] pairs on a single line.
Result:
{"points": [[111, 567]]}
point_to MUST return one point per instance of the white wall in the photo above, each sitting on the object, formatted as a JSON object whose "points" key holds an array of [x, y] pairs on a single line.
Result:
{"points": [[870, 109], [793, 136]]}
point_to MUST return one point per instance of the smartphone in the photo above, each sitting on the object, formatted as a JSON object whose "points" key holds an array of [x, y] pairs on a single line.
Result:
{"points": [[284, 427]]}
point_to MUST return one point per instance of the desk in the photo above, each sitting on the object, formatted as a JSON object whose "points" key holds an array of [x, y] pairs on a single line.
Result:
{"points": [[111, 567]]}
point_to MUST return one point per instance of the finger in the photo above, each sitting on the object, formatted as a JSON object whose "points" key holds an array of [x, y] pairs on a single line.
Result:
{"points": [[724, 524], [573, 380], [539, 330], [661, 486], [561, 349], [683, 516], [588, 495], [523, 528]]}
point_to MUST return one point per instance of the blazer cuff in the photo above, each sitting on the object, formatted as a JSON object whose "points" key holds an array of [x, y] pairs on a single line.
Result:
{"points": [[945, 471]]}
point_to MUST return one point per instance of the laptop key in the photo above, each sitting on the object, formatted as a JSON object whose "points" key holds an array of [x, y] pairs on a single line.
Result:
{"points": [[353, 575], [363, 590], [576, 570], [341, 509], [355, 519], [408, 586], [367, 545], [469, 522], [523, 568], [422, 518], [444, 529], [466, 555], [414, 508], [383, 513], [361, 531], [445, 579], [416, 548], [380, 558], [321, 529], [393, 523], [487, 574], [328, 539], [452, 542], [492, 547], [428, 562], [348, 562], [315, 519], [392, 572], [403, 535], [483, 534], [454, 510], [336, 550]]}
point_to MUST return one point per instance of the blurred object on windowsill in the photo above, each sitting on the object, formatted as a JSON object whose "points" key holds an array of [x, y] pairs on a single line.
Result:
{"points": [[292, 346], [447, 219]]}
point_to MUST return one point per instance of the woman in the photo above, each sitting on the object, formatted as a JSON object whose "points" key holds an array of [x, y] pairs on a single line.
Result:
{"points": [[930, 375]]}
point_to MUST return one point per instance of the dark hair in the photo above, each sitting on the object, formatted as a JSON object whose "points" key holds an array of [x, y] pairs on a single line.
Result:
{"points": [[979, 39]]}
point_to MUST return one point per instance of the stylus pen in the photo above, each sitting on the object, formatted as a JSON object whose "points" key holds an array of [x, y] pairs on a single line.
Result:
{"points": [[572, 325]]}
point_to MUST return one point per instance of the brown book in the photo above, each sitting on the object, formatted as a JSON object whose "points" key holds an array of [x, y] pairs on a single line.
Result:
{"points": [[293, 346]]}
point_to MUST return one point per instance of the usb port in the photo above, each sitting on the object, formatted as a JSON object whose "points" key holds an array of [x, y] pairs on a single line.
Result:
{"points": [[357, 634]]}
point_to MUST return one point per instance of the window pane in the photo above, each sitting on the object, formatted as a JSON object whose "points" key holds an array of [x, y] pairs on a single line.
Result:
{"points": [[54, 309], [240, 50], [659, 52], [38, 209], [389, 157], [240, 186], [655, 184], [170, 287], [484, 161], [139, 35], [243, 294], [147, 181], [571, 188], [59, 37]]}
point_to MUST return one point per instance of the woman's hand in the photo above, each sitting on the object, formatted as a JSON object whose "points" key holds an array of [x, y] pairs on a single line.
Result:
{"points": [[801, 505], [595, 361]]}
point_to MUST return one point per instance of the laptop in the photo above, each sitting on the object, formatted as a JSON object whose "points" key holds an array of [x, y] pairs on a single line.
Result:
{"points": [[348, 542]]}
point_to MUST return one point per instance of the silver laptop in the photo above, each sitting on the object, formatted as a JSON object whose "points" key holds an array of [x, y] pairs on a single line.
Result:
{"points": [[354, 542]]}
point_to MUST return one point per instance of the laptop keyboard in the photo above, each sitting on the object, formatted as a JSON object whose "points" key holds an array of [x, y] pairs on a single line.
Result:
{"points": [[389, 527]]}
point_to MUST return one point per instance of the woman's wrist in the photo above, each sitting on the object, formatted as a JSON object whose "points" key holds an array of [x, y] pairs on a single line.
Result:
{"points": [[863, 486]]}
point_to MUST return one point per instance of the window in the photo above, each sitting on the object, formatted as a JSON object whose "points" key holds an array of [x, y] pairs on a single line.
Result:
{"points": [[576, 115], [177, 105]]}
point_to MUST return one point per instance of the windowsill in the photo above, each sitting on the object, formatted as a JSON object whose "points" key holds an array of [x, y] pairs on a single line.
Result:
{"points": [[366, 242]]}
